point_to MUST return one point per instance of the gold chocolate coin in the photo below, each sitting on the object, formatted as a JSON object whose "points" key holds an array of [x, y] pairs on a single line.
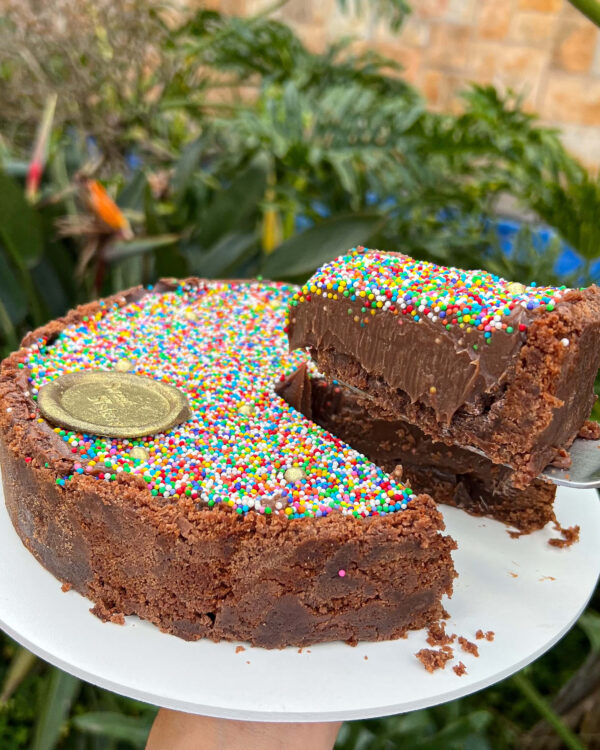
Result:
{"points": [[112, 404]]}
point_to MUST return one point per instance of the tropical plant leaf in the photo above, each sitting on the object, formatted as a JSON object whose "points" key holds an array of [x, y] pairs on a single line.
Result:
{"points": [[20, 228], [590, 624], [304, 252], [61, 691], [8, 338], [232, 205], [115, 726], [226, 253], [120, 250], [20, 666], [132, 194], [187, 165], [10, 292]]}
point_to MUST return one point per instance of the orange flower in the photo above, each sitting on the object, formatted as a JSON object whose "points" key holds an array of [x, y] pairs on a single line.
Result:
{"points": [[106, 209]]}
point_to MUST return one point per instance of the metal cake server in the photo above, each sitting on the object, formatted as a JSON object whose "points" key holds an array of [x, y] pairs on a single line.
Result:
{"points": [[582, 474]]}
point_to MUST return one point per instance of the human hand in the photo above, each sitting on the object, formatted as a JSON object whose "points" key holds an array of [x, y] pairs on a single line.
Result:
{"points": [[173, 730]]}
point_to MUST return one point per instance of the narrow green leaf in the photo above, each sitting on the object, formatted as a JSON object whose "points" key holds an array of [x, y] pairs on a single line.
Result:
{"points": [[10, 292], [234, 204], [170, 262], [132, 195], [590, 624], [62, 689], [545, 710], [225, 254], [121, 250], [187, 164], [8, 333], [20, 228], [154, 223], [49, 288], [115, 726], [304, 252], [14, 168], [20, 666]]}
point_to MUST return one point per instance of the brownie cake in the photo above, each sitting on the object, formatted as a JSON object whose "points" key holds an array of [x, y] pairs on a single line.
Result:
{"points": [[469, 358], [245, 521], [450, 474]]}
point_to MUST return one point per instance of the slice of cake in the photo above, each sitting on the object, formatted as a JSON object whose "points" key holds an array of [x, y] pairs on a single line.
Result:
{"points": [[244, 521], [469, 358], [450, 474]]}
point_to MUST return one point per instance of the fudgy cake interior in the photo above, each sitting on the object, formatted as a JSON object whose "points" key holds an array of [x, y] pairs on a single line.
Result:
{"points": [[450, 474], [469, 358]]}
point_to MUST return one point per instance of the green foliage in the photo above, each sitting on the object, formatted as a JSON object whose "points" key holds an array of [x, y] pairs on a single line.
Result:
{"points": [[259, 157]]}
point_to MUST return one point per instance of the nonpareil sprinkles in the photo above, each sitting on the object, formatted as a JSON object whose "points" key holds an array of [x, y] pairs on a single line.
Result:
{"points": [[469, 300], [224, 345]]}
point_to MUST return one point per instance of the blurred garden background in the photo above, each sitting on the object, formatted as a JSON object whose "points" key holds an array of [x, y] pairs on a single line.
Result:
{"points": [[141, 139]]}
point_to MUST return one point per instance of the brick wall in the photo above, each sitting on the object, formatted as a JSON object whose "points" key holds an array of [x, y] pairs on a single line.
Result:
{"points": [[544, 49]]}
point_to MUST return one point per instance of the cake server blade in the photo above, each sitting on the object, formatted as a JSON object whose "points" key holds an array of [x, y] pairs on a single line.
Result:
{"points": [[583, 473]]}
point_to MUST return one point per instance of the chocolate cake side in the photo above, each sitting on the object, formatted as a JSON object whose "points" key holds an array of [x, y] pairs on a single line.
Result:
{"points": [[200, 572], [515, 381], [450, 474]]}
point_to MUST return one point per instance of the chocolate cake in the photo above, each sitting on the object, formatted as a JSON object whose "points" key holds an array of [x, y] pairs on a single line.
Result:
{"points": [[244, 521], [450, 474], [469, 358]]}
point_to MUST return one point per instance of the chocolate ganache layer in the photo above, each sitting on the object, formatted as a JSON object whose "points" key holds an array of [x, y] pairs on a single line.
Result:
{"points": [[469, 358]]}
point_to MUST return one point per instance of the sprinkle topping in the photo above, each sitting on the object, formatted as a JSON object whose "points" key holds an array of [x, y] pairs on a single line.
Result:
{"points": [[451, 297], [244, 447]]}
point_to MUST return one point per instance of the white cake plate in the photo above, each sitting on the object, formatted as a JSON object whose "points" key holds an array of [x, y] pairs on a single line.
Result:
{"points": [[524, 590]]}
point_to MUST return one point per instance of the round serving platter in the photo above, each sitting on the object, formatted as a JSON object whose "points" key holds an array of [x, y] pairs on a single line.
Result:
{"points": [[524, 590]]}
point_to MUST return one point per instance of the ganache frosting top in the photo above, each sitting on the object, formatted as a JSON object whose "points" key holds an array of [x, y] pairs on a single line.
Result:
{"points": [[472, 300], [224, 345]]}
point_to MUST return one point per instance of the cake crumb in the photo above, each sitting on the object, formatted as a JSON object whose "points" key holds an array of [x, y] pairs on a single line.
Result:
{"points": [[479, 634], [562, 460], [105, 614], [514, 575], [432, 659], [239, 649], [468, 646], [515, 534], [460, 669], [247, 662], [570, 536], [547, 578], [299, 650], [445, 614], [66, 587], [437, 636], [366, 658], [590, 430]]}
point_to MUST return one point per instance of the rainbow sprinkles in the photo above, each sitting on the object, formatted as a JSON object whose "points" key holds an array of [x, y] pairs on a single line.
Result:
{"points": [[244, 448], [451, 297]]}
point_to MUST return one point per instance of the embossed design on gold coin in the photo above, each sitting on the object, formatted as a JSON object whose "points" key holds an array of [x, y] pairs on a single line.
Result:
{"points": [[112, 404]]}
